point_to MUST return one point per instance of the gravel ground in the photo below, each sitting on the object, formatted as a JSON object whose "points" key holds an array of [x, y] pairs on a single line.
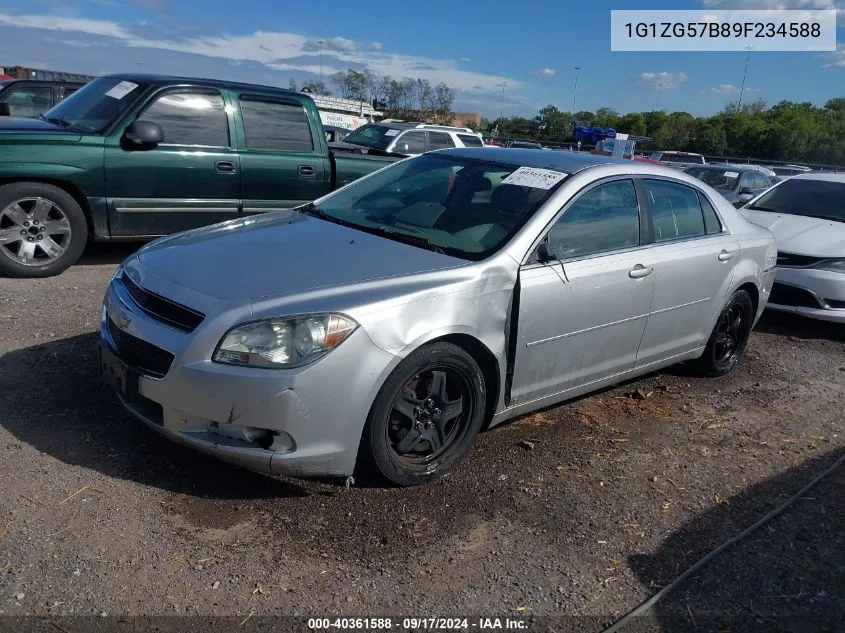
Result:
{"points": [[579, 512]]}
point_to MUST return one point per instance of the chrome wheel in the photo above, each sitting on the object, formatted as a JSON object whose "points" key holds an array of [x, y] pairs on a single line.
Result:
{"points": [[34, 231]]}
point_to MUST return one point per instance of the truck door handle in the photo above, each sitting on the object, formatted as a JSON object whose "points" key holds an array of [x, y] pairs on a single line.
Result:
{"points": [[306, 170], [639, 271], [725, 256], [225, 167]]}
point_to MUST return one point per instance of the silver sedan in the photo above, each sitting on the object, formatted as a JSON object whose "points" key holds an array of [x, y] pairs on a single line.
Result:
{"points": [[382, 326]]}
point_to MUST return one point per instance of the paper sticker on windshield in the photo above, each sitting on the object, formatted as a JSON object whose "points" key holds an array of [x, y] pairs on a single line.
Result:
{"points": [[391, 133], [121, 90], [534, 177], [731, 174]]}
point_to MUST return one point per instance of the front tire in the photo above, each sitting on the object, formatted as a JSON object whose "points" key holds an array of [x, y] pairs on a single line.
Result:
{"points": [[729, 338], [425, 417], [43, 230]]}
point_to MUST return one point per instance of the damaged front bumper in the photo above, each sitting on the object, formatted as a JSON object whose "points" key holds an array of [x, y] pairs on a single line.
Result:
{"points": [[303, 422]]}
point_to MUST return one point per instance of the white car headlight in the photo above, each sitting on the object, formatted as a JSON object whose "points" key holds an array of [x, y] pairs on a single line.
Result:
{"points": [[283, 343], [833, 265]]}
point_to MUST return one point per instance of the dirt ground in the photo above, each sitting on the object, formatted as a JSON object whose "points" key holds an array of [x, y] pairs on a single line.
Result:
{"points": [[569, 517]]}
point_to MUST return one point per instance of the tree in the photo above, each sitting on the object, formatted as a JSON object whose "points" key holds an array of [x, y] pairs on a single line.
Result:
{"points": [[315, 87], [837, 104], [443, 99], [292, 84], [606, 117]]}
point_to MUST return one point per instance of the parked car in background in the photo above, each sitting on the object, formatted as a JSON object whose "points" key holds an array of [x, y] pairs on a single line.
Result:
{"points": [[335, 134], [399, 138], [680, 160], [176, 153], [453, 289], [790, 170], [736, 183], [523, 145], [31, 98], [806, 213]]}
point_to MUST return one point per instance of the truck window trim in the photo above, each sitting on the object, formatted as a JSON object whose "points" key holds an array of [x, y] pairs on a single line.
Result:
{"points": [[280, 100]]}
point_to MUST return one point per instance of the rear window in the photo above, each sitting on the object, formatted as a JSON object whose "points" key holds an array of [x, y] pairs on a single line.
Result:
{"points": [[810, 198], [275, 126], [470, 140]]}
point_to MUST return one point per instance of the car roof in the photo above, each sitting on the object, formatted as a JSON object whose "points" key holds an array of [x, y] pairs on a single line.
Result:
{"points": [[217, 83], [565, 161], [823, 177], [725, 167]]}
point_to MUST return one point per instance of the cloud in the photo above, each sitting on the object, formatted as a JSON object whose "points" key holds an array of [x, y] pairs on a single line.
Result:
{"points": [[724, 89], [465, 59], [547, 72], [837, 59], [794, 5], [659, 81], [275, 50], [149, 4]]}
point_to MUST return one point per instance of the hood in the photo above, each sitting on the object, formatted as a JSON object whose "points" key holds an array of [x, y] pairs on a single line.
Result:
{"points": [[282, 253], [802, 235], [19, 124]]}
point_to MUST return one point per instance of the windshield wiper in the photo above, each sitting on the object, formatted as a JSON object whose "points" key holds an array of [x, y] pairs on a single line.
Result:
{"points": [[756, 208], [56, 121]]}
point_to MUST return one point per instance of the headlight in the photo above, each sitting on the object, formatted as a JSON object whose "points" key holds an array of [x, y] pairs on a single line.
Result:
{"points": [[283, 343], [833, 265]]}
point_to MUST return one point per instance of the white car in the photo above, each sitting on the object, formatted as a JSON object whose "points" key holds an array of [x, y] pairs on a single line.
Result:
{"points": [[806, 213]]}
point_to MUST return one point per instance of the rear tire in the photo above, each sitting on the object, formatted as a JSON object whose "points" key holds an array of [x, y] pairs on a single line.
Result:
{"points": [[43, 230], [729, 338], [425, 417]]}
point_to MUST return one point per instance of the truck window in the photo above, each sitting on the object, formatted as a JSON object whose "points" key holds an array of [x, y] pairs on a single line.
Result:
{"points": [[439, 140], [275, 126], [190, 117], [29, 101], [411, 143]]}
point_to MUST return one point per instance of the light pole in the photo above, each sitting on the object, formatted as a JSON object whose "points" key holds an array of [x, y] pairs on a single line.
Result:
{"points": [[502, 103], [321, 42], [575, 88], [745, 72], [659, 87]]}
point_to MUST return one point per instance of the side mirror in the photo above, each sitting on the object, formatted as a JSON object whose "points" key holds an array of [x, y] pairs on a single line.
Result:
{"points": [[143, 135], [746, 191], [5, 110]]}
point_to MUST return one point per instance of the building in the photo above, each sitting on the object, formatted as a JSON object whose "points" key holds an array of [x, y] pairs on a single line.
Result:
{"points": [[21, 72], [466, 119]]}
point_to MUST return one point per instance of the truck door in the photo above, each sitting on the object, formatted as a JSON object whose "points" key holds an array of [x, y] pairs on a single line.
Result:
{"points": [[191, 179], [284, 158]]}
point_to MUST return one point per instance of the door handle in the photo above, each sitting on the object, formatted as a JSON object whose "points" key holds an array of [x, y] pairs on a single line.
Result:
{"points": [[225, 167], [725, 256], [639, 271], [306, 170]]}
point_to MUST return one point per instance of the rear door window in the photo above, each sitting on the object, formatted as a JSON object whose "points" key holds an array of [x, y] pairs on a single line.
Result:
{"points": [[675, 210], [711, 219], [439, 140], [470, 140], [275, 126], [411, 143]]}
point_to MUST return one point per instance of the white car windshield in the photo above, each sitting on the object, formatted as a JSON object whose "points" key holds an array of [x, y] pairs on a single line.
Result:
{"points": [[811, 198]]}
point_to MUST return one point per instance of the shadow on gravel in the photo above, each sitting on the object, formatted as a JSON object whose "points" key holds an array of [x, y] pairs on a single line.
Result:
{"points": [[789, 575], [102, 253], [786, 324], [54, 400]]}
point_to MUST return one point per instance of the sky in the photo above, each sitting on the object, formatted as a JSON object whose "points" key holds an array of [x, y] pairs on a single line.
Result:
{"points": [[472, 45]]}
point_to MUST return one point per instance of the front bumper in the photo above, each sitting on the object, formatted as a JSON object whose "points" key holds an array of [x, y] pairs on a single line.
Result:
{"points": [[813, 293], [303, 422]]}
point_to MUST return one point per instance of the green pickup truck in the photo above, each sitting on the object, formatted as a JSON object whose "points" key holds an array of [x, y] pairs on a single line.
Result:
{"points": [[131, 157]]}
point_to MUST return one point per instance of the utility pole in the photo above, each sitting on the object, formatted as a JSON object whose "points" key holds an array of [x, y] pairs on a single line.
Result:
{"points": [[659, 87], [575, 88], [502, 103], [745, 72], [321, 42]]}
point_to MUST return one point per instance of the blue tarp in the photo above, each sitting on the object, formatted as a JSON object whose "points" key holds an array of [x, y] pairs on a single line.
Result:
{"points": [[593, 134]]}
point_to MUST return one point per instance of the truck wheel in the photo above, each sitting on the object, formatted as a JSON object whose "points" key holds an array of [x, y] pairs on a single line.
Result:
{"points": [[43, 230]]}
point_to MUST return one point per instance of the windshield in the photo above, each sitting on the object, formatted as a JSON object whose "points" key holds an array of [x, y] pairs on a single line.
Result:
{"points": [[458, 206], [811, 198], [374, 136], [96, 105], [721, 179]]}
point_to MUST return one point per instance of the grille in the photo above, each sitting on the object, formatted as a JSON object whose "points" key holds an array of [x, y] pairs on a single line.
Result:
{"points": [[161, 309], [797, 261], [140, 355], [786, 295]]}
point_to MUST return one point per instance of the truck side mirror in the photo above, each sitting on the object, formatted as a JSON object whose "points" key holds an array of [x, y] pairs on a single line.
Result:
{"points": [[143, 135]]}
